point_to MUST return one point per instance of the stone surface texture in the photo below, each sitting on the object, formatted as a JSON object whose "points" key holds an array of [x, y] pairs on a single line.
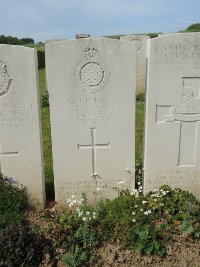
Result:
{"points": [[141, 41], [91, 86], [20, 135], [52, 41], [172, 132]]}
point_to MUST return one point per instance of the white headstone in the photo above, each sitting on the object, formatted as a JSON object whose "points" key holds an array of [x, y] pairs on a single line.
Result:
{"points": [[20, 136], [165, 33], [52, 41], [172, 139], [141, 41], [91, 85]]}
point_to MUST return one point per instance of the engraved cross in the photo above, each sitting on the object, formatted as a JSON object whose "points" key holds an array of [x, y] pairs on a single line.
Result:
{"points": [[187, 114], [93, 146], [2, 154]]}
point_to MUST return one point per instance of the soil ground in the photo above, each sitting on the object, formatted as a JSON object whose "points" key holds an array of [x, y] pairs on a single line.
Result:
{"points": [[183, 252]]}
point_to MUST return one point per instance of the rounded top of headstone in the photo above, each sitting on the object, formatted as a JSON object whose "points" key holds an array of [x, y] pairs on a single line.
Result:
{"points": [[82, 35], [50, 41]]}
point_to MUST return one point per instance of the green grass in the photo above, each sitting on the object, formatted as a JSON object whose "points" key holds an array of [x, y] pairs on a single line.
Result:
{"points": [[46, 132], [139, 128]]}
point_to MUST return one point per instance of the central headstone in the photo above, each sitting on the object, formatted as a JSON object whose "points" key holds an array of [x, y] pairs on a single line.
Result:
{"points": [[172, 139], [91, 86]]}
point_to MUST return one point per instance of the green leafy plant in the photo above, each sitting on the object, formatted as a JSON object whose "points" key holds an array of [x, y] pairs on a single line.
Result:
{"points": [[13, 201], [45, 99], [145, 223], [83, 234], [140, 97]]}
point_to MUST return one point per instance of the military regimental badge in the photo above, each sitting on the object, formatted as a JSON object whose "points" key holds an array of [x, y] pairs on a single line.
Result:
{"points": [[5, 79], [91, 73]]}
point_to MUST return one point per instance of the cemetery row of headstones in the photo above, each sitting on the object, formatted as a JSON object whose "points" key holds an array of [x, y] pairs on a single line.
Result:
{"points": [[92, 86]]}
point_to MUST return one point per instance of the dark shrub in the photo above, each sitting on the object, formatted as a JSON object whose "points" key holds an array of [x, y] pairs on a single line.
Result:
{"points": [[19, 246], [13, 201]]}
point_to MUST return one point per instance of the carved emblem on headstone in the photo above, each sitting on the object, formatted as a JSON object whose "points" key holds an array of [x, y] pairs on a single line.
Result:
{"points": [[187, 113], [91, 72], [188, 109], [5, 79]]}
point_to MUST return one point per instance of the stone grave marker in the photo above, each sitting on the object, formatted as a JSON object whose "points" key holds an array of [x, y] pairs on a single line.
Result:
{"points": [[91, 86], [141, 41], [20, 126], [172, 132], [52, 41]]}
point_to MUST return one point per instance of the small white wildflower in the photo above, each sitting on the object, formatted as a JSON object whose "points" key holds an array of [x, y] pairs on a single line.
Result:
{"points": [[79, 202], [94, 217], [82, 199], [149, 211], [87, 213], [77, 209], [89, 218], [135, 206], [144, 201], [121, 182], [84, 219], [94, 213], [134, 220], [167, 192], [155, 199], [146, 213], [74, 201], [138, 183], [73, 196], [140, 189], [134, 192], [141, 209], [80, 213], [164, 193], [133, 213], [68, 200]]}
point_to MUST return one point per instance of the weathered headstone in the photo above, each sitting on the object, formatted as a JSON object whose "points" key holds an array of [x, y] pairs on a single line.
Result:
{"points": [[165, 33], [53, 41], [172, 139], [92, 96], [141, 41], [20, 136]]}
